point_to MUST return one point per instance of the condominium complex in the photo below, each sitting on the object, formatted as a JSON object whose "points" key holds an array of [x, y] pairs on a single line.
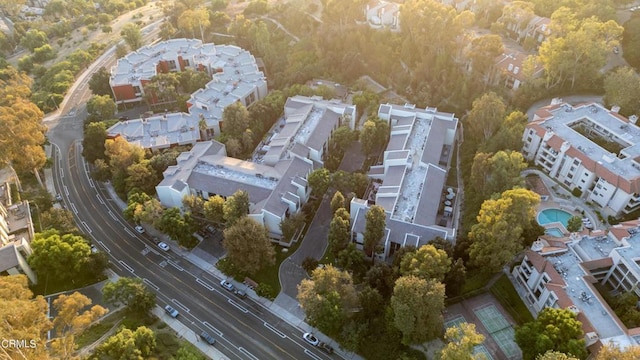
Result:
{"points": [[589, 148], [410, 182], [564, 272], [276, 176], [235, 78]]}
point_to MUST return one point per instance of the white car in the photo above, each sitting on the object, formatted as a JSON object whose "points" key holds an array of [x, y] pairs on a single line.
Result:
{"points": [[139, 229], [94, 249], [162, 245], [227, 285], [311, 339], [171, 311]]}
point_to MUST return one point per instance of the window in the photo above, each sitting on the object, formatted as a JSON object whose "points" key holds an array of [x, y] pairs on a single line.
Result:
{"points": [[137, 90], [172, 64], [186, 62], [529, 139]]}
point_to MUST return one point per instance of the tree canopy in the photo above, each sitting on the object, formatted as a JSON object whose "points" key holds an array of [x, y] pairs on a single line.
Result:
{"points": [[460, 343], [248, 245], [130, 292], [426, 263], [236, 207]]}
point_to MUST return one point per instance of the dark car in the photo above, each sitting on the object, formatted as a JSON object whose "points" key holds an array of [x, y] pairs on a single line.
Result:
{"points": [[208, 338], [239, 293], [326, 347]]}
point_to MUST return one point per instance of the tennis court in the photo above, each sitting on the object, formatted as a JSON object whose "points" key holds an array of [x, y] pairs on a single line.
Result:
{"points": [[500, 329], [479, 349]]}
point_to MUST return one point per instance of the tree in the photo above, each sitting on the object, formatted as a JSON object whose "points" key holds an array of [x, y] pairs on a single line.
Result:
{"points": [[59, 257], [611, 351], [28, 318], [99, 82], [121, 50], [555, 355], [619, 87], [381, 277], [194, 204], [339, 231], [351, 259], [319, 180], [236, 207], [509, 136], [574, 224], [43, 53], [373, 135], [33, 39], [417, 306], [554, 329], [179, 227], [130, 292], [122, 154], [374, 229], [167, 30], [59, 219], [141, 176], [482, 52], [337, 202], [235, 120], [22, 134], [342, 138], [95, 134], [454, 280], [193, 19], [461, 341], [486, 115], [132, 36], [234, 147], [495, 173], [214, 209], [327, 299], [291, 225], [187, 351], [100, 107], [129, 345], [426, 263], [248, 245], [71, 321], [497, 236]]}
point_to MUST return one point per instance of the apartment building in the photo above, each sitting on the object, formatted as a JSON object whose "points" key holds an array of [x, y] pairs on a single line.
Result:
{"points": [[589, 148], [16, 233], [410, 182]]}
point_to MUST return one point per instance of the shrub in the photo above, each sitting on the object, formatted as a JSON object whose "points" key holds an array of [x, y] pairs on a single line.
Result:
{"points": [[266, 291], [309, 264], [576, 192]]}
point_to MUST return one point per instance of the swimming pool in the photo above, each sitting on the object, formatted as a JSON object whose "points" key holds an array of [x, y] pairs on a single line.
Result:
{"points": [[554, 215], [554, 232]]}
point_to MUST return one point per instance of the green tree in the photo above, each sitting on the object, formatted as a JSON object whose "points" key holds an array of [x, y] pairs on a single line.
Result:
{"points": [[611, 351], [99, 82], [555, 355], [486, 116], [319, 180], [337, 202], [509, 136], [374, 229], [236, 207], [426, 263], [339, 231], [122, 154], [342, 138], [454, 280], [352, 259], [71, 320], [194, 19], [167, 30], [60, 258], [495, 173], [59, 219], [574, 224], [373, 135], [130, 292], [132, 36], [554, 329], [95, 134], [142, 208], [194, 204], [417, 306], [22, 133], [327, 299], [121, 50], [461, 341], [248, 245], [179, 227], [619, 87], [33, 39], [291, 225], [141, 176], [235, 120], [129, 345], [482, 52], [43, 53], [100, 107], [497, 236], [214, 209]]}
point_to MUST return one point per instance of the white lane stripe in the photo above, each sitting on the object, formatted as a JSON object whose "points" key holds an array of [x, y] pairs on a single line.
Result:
{"points": [[278, 332], [180, 268], [87, 227], [238, 306], [66, 190], [148, 282], [129, 232], [179, 304], [92, 184], [112, 216], [312, 355], [204, 284], [100, 199], [73, 207], [244, 351], [104, 246], [129, 268], [218, 332]]}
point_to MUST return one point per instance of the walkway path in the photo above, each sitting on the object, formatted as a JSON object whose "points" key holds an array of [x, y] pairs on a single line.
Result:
{"points": [[281, 27]]}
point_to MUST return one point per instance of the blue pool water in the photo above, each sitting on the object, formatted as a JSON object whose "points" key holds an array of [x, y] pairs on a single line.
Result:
{"points": [[554, 215], [554, 232]]}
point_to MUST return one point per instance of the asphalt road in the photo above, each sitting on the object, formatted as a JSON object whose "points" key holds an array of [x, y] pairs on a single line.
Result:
{"points": [[243, 328]]}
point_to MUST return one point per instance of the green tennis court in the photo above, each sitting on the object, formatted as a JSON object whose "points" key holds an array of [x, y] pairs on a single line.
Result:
{"points": [[500, 330], [480, 349]]}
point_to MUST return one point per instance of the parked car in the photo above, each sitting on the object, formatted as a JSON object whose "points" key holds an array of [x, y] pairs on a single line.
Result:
{"points": [[162, 245], [139, 229], [58, 198], [311, 339], [241, 294], [171, 311], [326, 347], [208, 338], [94, 249], [227, 285]]}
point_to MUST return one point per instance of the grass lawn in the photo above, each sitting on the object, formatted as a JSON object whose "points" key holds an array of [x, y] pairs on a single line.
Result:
{"points": [[506, 294], [96, 331], [475, 282]]}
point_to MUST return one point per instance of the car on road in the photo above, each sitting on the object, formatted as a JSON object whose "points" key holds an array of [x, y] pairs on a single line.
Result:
{"points": [[326, 347], [162, 245], [171, 311], [239, 293], [208, 338], [94, 249], [311, 339], [58, 198], [616, 49], [227, 285], [139, 229]]}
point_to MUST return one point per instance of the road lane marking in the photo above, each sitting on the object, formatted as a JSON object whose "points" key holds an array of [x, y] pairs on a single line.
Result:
{"points": [[61, 173], [241, 308], [152, 250], [92, 184], [129, 232], [180, 268], [87, 227], [204, 284], [218, 332], [179, 304], [73, 207], [66, 190], [100, 199], [148, 282], [163, 263], [112, 215], [145, 251], [129, 268], [311, 354], [246, 352], [278, 332], [104, 246]]}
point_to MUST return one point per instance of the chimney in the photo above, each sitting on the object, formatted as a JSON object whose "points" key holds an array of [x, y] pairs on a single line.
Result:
{"points": [[615, 109], [633, 118]]}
